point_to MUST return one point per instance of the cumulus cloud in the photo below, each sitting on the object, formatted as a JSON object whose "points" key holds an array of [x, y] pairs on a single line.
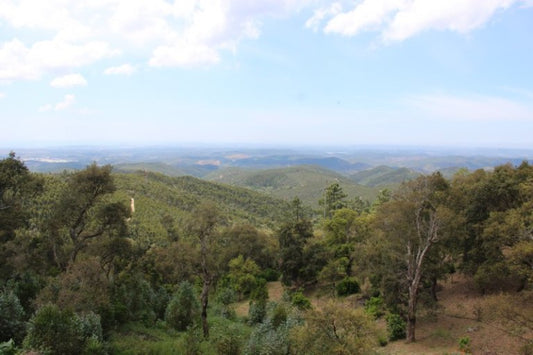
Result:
{"points": [[17, 61], [68, 100], [68, 81], [472, 107], [124, 69], [398, 20], [64, 34]]}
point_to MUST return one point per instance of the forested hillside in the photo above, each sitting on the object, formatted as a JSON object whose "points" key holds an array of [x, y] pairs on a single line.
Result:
{"points": [[192, 266], [306, 182]]}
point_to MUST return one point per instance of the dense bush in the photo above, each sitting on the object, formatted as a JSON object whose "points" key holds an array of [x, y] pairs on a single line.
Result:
{"points": [[395, 327], [12, 325], [347, 286], [374, 307], [183, 308], [299, 300], [63, 332], [256, 312]]}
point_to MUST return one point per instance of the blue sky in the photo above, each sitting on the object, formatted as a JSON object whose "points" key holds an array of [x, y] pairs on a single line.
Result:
{"points": [[291, 72]]}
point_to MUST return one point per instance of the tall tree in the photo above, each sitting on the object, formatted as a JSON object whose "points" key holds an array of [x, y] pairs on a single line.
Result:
{"points": [[334, 199], [17, 187], [413, 220], [84, 214], [203, 228], [293, 236]]}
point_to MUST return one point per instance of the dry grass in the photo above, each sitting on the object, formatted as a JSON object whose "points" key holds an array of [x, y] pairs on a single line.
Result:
{"points": [[275, 292], [460, 315]]}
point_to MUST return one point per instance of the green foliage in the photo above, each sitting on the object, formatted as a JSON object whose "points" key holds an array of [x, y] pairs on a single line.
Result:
{"points": [[465, 345], [305, 182], [279, 315], [8, 348], [374, 307], [334, 199], [347, 286], [228, 339], [256, 312], [12, 319], [184, 308], [269, 274], [334, 329], [395, 327], [300, 301], [242, 276], [62, 332]]}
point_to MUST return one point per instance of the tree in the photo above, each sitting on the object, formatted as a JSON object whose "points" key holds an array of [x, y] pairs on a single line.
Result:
{"points": [[183, 308], [334, 329], [413, 220], [17, 187], [293, 236], [203, 228], [334, 199], [83, 213]]}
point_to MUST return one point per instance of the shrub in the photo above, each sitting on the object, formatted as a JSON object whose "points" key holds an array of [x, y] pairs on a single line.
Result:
{"points": [[12, 325], [8, 348], [464, 345], [300, 301], [374, 307], [395, 327], [347, 286], [183, 308], [279, 315], [228, 340], [55, 331], [269, 274], [256, 312]]}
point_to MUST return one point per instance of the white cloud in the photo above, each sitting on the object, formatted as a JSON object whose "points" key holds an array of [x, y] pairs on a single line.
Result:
{"points": [[184, 55], [64, 34], [17, 61], [68, 81], [398, 20], [124, 69], [2, 95], [68, 100], [471, 107]]}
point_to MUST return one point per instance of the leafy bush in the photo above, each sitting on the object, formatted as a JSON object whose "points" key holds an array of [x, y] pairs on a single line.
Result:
{"points": [[347, 286], [256, 312], [8, 348], [225, 298], [270, 274], [12, 325], [395, 327], [279, 315], [228, 340], [464, 345], [183, 308], [54, 331], [300, 301], [374, 307]]}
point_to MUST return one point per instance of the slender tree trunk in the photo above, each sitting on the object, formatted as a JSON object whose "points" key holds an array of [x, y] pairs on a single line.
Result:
{"points": [[411, 313], [204, 298]]}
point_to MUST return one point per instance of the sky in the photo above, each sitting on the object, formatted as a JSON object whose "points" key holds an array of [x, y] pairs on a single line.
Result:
{"points": [[288, 72]]}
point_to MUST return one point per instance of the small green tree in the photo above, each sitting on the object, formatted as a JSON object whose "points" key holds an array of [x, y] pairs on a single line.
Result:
{"points": [[334, 199], [184, 308], [12, 325]]}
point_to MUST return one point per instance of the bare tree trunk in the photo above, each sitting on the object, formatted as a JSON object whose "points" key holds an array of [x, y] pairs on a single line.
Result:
{"points": [[204, 298], [426, 238]]}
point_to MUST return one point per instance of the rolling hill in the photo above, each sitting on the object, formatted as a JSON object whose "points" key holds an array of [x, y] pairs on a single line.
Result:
{"points": [[162, 203], [383, 176], [305, 182]]}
